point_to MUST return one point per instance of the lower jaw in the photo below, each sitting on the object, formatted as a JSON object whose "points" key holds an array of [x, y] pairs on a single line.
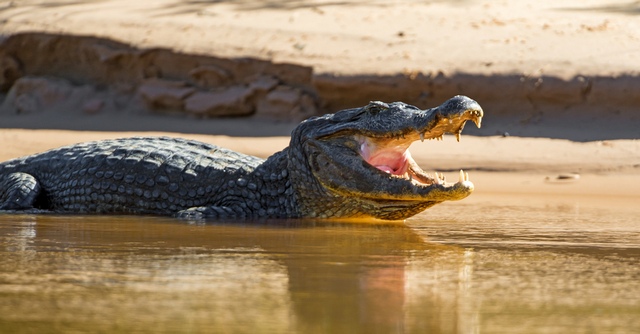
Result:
{"points": [[400, 210]]}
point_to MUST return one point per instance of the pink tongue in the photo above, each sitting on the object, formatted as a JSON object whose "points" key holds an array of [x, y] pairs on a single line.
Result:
{"points": [[390, 160], [385, 169]]}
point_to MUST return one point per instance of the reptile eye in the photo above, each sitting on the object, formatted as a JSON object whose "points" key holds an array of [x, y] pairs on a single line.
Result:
{"points": [[374, 107]]}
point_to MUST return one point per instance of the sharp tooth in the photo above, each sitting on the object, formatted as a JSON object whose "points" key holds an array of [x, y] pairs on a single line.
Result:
{"points": [[458, 136], [442, 177], [466, 176], [422, 136], [478, 121], [461, 176], [436, 179]]}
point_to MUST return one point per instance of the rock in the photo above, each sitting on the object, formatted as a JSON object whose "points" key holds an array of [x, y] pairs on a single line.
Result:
{"points": [[234, 101], [22, 104], [306, 108], [210, 76], [93, 106], [9, 72], [260, 86], [164, 94], [278, 102], [263, 84], [286, 103], [34, 94]]}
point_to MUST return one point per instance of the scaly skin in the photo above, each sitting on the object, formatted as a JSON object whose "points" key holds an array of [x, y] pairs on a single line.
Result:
{"points": [[351, 164]]}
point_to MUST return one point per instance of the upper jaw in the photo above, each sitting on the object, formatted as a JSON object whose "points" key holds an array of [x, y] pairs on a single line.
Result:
{"points": [[444, 122], [430, 124], [391, 154], [398, 121]]}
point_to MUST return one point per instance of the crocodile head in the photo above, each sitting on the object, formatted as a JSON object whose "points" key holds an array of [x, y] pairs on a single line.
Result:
{"points": [[356, 162]]}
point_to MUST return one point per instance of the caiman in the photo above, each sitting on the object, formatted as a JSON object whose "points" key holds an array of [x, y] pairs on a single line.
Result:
{"points": [[354, 163]]}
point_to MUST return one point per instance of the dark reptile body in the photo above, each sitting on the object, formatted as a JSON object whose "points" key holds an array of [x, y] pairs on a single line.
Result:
{"points": [[155, 175], [322, 172]]}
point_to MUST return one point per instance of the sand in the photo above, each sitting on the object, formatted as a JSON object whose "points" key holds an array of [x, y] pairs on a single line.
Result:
{"points": [[565, 39], [362, 36], [602, 171]]}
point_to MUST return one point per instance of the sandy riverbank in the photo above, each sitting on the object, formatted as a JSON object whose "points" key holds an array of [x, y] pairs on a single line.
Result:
{"points": [[605, 171], [532, 37], [540, 68], [566, 70]]}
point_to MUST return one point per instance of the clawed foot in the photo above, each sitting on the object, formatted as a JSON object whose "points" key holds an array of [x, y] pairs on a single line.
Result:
{"points": [[203, 212], [191, 214]]}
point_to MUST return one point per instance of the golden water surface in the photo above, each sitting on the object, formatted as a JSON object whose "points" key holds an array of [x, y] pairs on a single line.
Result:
{"points": [[483, 265]]}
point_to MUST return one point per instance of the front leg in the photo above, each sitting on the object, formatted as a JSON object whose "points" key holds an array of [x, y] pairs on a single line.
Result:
{"points": [[211, 212], [18, 191]]}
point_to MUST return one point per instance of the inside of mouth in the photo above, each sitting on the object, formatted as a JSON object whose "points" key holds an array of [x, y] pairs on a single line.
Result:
{"points": [[393, 157], [392, 160]]}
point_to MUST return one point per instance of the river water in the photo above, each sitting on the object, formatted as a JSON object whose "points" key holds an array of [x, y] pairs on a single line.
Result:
{"points": [[488, 264]]}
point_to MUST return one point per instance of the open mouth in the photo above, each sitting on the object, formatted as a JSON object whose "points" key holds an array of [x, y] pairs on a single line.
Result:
{"points": [[392, 156]]}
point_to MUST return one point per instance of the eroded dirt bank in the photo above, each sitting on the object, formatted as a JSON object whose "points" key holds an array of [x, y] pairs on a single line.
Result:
{"points": [[47, 74]]}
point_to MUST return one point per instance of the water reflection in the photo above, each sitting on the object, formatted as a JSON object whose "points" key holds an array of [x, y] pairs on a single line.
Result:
{"points": [[461, 268]]}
